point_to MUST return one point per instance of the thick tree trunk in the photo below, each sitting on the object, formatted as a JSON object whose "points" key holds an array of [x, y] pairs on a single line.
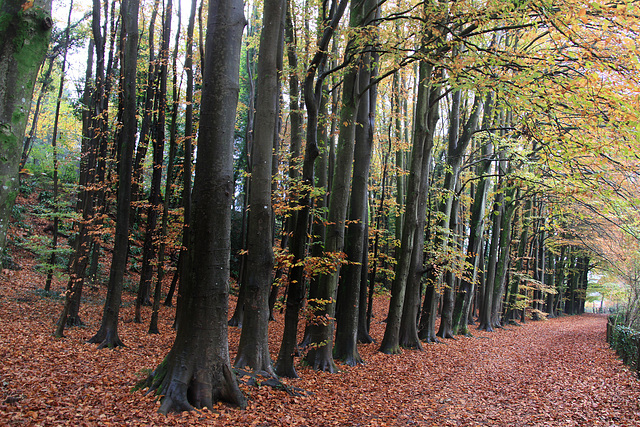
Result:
{"points": [[196, 373], [25, 37], [320, 355]]}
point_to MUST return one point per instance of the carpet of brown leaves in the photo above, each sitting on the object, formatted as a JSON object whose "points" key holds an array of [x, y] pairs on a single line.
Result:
{"points": [[549, 373]]}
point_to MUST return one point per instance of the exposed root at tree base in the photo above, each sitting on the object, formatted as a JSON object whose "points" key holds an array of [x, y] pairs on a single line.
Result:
{"points": [[106, 340], [182, 389], [262, 378]]}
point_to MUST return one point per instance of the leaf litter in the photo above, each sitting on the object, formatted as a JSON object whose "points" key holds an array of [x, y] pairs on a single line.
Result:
{"points": [[558, 372]]}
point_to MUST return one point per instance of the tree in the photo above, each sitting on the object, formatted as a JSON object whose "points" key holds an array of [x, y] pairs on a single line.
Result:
{"points": [[296, 290], [196, 373], [348, 300], [253, 349], [107, 335], [323, 306], [24, 31], [391, 341]]}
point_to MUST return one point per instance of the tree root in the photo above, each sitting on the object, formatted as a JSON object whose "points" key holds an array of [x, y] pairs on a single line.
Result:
{"points": [[262, 378], [109, 339], [181, 389]]}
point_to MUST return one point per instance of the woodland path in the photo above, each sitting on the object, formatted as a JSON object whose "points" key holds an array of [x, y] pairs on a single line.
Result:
{"points": [[558, 372]]}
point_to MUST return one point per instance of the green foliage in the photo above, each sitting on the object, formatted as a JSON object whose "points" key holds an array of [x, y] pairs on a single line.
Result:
{"points": [[624, 341]]}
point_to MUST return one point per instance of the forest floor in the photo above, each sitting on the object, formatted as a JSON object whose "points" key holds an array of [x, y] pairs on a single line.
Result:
{"points": [[558, 372]]}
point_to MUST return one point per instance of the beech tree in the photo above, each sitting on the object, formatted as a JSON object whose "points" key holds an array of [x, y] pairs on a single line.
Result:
{"points": [[107, 335], [253, 349], [197, 373], [24, 31]]}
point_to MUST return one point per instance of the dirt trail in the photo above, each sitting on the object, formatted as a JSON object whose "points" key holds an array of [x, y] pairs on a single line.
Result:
{"points": [[549, 373]]}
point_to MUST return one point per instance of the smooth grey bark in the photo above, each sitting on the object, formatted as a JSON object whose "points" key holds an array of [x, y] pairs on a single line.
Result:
{"points": [[107, 335], [409, 322], [253, 350], [391, 340], [348, 296], [25, 38], [457, 146], [320, 355], [196, 373]]}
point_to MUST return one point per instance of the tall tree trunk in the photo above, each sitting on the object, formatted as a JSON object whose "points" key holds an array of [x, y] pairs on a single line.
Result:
{"points": [[153, 324], [408, 336], [458, 144], [251, 64], [151, 240], [476, 230], [25, 38], [54, 146], [107, 335], [320, 355], [150, 131], [147, 114], [85, 205], [188, 148], [492, 261], [347, 304], [500, 279], [253, 350], [391, 340], [363, 335], [196, 373]]}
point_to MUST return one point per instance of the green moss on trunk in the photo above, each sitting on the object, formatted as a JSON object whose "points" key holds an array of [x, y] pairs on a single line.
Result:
{"points": [[25, 35]]}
